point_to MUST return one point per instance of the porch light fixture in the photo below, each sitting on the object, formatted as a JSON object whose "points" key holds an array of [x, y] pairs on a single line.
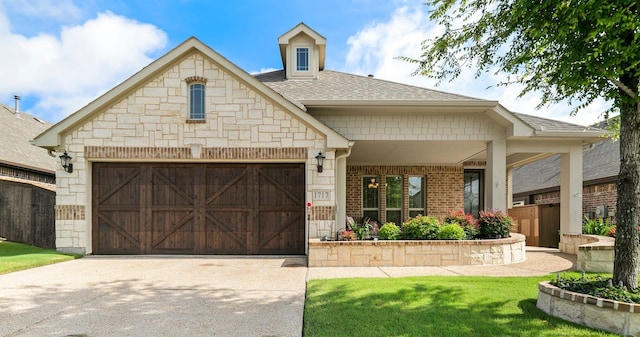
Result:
{"points": [[320, 158], [65, 161]]}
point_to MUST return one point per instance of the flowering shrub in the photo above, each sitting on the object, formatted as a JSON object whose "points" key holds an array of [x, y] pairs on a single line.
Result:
{"points": [[461, 218], [457, 225], [494, 225], [468, 223], [347, 235], [365, 229]]}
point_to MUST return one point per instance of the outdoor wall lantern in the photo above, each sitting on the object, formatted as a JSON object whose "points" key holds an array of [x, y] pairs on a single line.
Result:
{"points": [[320, 158], [373, 183], [65, 160]]}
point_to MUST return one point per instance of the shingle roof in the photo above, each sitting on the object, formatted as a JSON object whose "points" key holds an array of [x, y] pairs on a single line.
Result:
{"points": [[16, 130], [601, 161], [337, 86], [551, 125]]}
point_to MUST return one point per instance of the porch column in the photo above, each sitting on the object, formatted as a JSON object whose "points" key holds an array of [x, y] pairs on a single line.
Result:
{"points": [[496, 187], [571, 191], [509, 187], [341, 194]]}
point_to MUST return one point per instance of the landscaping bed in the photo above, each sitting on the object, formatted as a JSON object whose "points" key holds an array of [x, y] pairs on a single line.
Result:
{"points": [[366, 253], [595, 312], [459, 239]]}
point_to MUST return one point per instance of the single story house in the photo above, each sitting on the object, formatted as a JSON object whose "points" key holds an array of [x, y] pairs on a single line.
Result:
{"points": [[193, 155], [539, 182], [27, 180]]}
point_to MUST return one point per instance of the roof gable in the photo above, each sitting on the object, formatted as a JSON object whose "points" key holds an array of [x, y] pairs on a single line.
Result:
{"points": [[52, 138]]}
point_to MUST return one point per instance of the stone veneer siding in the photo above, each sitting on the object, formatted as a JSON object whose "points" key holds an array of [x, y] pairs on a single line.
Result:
{"points": [[609, 315], [444, 185], [151, 123]]}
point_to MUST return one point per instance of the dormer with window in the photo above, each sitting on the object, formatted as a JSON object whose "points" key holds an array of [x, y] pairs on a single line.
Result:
{"points": [[303, 52]]}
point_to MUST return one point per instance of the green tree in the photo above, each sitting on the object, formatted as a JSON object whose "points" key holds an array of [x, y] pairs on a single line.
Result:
{"points": [[575, 50]]}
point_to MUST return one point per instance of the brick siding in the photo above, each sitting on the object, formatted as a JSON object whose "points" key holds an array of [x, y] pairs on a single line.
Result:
{"points": [[444, 185]]}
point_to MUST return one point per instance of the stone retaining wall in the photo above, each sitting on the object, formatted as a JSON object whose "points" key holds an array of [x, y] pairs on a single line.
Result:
{"points": [[416, 252], [597, 256], [569, 243], [619, 317]]}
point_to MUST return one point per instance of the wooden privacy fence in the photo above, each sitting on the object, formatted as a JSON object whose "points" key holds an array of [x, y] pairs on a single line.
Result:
{"points": [[27, 214], [539, 223]]}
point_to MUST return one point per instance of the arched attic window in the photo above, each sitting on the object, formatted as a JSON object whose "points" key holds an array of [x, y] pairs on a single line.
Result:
{"points": [[197, 106]]}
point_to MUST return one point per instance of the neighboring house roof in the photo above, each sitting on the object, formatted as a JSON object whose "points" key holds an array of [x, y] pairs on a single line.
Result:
{"points": [[337, 87], [16, 131], [601, 161]]}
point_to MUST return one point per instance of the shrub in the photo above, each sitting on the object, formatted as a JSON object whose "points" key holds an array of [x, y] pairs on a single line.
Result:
{"points": [[389, 231], [470, 232], [450, 231], [461, 218], [597, 286], [468, 223], [494, 225], [596, 226], [412, 230], [420, 228]]}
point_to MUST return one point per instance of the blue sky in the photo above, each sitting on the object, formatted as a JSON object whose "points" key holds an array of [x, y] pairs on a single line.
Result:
{"points": [[59, 55]]}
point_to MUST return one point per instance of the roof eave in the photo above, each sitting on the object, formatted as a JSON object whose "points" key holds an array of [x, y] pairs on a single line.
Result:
{"points": [[596, 136], [404, 103]]}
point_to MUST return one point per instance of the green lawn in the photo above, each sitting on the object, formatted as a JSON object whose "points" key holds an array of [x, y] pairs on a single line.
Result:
{"points": [[17, 256], [432, 306]]}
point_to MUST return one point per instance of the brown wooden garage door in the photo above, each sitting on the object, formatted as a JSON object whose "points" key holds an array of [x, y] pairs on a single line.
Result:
{"points": [[159, 208]]}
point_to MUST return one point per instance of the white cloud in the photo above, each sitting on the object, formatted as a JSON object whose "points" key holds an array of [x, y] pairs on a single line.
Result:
{"points": [[68, 70], [263, 70], [61, 10], [375, 48]]}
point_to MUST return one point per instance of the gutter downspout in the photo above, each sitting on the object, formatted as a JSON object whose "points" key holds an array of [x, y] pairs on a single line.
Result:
{"points": [[341, 189]]}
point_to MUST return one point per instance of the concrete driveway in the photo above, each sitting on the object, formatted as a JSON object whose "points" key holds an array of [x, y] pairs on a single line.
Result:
{"points": [[156, 296]]}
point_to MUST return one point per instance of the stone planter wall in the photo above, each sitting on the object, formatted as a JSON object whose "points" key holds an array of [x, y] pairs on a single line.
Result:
{"points": [[597, 256], [416, 252], [569, 243], [618, 317]]}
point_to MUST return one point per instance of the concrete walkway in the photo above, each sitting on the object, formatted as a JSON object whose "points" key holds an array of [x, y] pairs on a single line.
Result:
{"points": [[192, 296], [540, 261]]}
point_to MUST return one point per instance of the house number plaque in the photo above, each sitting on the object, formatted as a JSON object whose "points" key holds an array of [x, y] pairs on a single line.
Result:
{"points": [[321, 195]]}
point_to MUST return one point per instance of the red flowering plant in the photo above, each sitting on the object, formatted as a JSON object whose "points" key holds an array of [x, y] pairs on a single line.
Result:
{"points": [[468, 223], [494, 225]]}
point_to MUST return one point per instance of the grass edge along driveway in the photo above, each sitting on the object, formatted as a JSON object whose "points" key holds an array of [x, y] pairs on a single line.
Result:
{"points": [[17, 256], [448, 306]]}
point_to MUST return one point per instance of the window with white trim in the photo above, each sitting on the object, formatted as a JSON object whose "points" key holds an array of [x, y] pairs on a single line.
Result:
{"points": [[196, 101], [302, 59]]}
